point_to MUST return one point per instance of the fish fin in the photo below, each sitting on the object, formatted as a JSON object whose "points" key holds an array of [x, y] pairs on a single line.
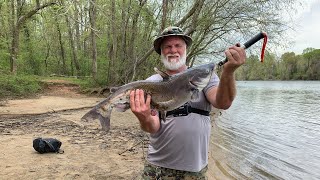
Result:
{"points": [[163, 115], [104, 119], [163, 74], [195, 94]]}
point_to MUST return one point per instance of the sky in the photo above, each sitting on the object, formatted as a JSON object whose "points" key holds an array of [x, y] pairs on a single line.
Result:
{"points": [[307, 32]]}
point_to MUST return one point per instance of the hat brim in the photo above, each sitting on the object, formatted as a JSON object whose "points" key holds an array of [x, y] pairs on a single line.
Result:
{"points": [[157, 42]]}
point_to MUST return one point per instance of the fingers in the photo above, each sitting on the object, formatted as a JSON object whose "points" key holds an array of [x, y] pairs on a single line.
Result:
{"points": [[141, 106], [148, 101], [132, 98], [232, 55], [236, 56], [238, 51], [138, 101]]}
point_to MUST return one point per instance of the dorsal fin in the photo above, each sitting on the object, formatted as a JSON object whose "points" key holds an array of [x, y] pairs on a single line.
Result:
{"points": [[163, 74]]}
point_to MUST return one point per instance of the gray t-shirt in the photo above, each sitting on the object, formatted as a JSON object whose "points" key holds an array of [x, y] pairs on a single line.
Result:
{"points": [[182, 143]]}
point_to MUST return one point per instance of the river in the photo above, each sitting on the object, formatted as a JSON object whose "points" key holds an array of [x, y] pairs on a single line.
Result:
{"points": [[272, 131]]}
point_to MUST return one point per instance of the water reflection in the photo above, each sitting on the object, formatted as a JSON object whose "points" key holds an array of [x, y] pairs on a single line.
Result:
{"points": [[272, 131]]}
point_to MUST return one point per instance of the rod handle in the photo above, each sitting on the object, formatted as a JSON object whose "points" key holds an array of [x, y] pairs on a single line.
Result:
{"points": [[247, 44]]}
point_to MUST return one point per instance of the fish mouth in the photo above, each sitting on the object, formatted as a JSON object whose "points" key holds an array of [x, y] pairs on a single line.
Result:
{"points": [[200, 83], [193, 84]]}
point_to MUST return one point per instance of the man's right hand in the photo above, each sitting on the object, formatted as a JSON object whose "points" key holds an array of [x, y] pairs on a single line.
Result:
{"points": [[142, 110]]}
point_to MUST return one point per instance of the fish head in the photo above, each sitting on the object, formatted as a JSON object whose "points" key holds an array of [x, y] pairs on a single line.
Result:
{"points": [[199, 76]]}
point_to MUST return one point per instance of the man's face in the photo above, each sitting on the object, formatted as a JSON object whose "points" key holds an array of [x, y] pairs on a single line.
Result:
{"points": [[173, 52]]}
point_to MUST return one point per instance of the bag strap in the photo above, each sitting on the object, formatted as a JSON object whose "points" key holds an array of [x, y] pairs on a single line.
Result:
{"points": [[60, 151]]}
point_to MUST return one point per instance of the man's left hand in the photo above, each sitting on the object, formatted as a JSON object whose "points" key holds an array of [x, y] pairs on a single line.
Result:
{"points": [[236, 57]]}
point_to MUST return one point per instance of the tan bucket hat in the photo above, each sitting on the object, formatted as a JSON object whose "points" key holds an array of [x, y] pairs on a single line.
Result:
{"points": [[170, 31]]}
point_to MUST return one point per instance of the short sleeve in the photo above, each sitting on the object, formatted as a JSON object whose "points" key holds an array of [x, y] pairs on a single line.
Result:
{"points": [[214, 81]]}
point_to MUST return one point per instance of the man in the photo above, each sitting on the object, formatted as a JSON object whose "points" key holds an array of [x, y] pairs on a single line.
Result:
{"points": [[179, 146]]}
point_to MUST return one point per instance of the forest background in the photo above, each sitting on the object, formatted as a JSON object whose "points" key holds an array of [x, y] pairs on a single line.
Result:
{"points": [[109, 43]]}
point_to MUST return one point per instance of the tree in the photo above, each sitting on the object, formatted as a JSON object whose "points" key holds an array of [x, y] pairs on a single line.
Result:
{"points": [[313, 67], [290, 64], [93, 15], [16, 29], [115, 44]]}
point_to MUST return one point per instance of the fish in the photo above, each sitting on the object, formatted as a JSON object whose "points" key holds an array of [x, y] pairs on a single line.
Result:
{"points": [[167, 94]]}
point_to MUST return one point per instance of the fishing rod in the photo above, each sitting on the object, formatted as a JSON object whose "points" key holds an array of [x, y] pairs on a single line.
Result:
{"points": [[256, 38]]}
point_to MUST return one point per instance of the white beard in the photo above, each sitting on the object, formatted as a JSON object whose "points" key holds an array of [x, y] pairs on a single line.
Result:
{"points": [[174, 65]]}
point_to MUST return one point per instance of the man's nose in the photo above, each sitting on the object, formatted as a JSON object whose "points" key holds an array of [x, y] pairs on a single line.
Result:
{"points": [[173, 49]]}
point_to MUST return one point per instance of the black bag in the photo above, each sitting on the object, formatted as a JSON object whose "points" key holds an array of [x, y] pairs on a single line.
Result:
{"points": [[46, 145]]}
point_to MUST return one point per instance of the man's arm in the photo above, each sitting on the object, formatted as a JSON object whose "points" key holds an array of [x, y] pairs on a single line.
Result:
{"points": [[222, 96], [149, 121]]}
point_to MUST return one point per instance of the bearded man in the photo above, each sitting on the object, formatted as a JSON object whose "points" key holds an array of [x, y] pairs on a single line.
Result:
{"points": [[179, 146]]}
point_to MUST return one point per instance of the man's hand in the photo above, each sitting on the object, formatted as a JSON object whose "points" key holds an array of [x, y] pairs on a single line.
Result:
{"points": [[236, 57], [141, 108]]}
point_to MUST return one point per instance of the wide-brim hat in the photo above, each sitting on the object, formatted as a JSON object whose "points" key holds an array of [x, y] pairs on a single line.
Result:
{"points": [[170, 31]]}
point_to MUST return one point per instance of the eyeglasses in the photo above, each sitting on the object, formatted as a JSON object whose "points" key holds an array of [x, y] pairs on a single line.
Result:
{"points": [[172, 30]]}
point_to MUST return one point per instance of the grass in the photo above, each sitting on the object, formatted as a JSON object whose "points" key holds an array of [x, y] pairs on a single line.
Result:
{"points": [[17, 86]]}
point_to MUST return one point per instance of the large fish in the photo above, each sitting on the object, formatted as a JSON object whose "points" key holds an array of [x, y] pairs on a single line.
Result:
{"points": [[166, 95]]}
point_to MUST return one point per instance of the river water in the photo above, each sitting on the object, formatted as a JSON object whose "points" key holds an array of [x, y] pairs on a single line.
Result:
{"points": [[272, 131]]}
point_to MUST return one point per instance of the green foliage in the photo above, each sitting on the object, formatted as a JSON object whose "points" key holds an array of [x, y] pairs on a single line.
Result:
{"points": [[26, 85], [312, 66], [288, 67], [13, 86], [124, 36]]}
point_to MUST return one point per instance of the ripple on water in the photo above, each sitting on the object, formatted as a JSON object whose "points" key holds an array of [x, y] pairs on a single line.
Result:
{"points": [[272, 131]]}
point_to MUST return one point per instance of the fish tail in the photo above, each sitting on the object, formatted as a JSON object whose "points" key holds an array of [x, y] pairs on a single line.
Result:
{"points": [[104, 120]]}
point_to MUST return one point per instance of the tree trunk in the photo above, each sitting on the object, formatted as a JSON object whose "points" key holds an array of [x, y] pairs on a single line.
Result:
{"points": [[164, 14], [14, 36], [73, 48], [76, 16], [113, 44], [134, 29], [62, 51], [31, 57], [125, 11], [93, 15]]}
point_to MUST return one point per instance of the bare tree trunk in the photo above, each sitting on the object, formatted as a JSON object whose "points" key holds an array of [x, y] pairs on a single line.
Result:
{"points": [[124, 30], [31, 58], [62, 51], [16, 32], [73, 47], [76, 16], [113, 40], [87, 39], [133, 36], [164, 14], [13, 49], [93, 15], [47, 55]]}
